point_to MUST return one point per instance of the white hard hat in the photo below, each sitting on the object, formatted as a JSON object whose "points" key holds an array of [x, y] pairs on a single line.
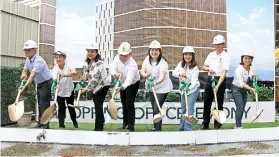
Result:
{"points": [[247, 54], [124, 48], [60, 52], [188, 49], [94, 46], [155, 45], [218, 39], [30, 44]]}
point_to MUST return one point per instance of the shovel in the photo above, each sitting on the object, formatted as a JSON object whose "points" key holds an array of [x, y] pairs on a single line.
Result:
{"points": [[219, 115], [158, 117], [112, 108], [258, 112], [78, 87], [16, 109], [51, 111], [190, 118], [76, 104]]}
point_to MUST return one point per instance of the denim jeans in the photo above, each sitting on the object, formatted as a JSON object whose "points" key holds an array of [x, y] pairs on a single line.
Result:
{"points": [[185, 125], [161, 99], [240, 99]]}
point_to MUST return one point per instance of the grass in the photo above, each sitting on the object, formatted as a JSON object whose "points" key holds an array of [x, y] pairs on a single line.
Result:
{"points": [[166, 127]]}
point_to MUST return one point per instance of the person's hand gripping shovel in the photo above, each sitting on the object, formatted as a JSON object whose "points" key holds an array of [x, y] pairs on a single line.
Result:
{"points": [[16, 109], [185, 87], [258, 112], [79, 89], [50, 112], [219, 115], [112, 108], [158, 117]]}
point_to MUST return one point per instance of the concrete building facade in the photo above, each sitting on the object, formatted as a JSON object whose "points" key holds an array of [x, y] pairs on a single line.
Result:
{"points": [[47, 16], [18, 23], [174, 23], [105, 30]]}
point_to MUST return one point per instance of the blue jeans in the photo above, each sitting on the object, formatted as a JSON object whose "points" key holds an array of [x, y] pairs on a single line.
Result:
{"points": [[185, 125], [240, 100]]}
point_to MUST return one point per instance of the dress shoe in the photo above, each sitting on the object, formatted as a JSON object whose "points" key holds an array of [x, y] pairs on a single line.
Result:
{"points": [[124, 125], [98, 129], [217, 125], [204, 126], [38, 125], [45, 126], [75, 123], [130, 130]]}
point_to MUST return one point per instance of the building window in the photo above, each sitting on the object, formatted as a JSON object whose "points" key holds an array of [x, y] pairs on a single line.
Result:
{"points": [[101, 7], [106, 22], [277, 1], [99, 15], [96, 39], [96, 24], [104, 14], [106, 6], [103, 30], [111, 5], [108, 28], [105, 38], [97, 9]]}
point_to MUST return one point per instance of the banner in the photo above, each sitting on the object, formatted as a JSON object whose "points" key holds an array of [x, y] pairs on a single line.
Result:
{"points": [[144, 113]]}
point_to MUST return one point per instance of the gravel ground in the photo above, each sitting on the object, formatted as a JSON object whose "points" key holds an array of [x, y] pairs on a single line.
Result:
{"points": [[12, 149]]}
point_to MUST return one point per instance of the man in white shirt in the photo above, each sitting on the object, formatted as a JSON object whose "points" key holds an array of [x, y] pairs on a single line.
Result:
{"points": [[126, 66], [66, 87], [217, 64]]}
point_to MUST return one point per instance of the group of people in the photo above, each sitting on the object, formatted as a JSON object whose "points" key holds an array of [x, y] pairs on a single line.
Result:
{"points": [[125, 69]]}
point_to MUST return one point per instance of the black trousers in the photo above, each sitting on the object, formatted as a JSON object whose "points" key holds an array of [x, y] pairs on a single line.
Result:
{"points": [[44, 96], [208, 98], [62, 108], [98, 100], [128, 104]]}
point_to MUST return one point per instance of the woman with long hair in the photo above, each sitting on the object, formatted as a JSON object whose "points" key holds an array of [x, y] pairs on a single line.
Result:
{"points": [[187, 70]]}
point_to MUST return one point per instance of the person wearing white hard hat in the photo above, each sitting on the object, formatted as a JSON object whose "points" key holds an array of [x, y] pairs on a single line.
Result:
{"points": [[155, 65], [94, 71], [187, 70], [40, 73], [125, 66], [243, 76], [65, 72], [217, 64]]}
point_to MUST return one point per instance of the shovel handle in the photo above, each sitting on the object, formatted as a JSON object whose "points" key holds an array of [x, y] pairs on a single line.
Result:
{"points": [[78, 97], [18, 96], [186, 100], [113, 94], [56, 90], [216, 103], [156, 99]]}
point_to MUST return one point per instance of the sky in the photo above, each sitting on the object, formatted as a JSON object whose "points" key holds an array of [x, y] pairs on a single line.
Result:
{"points": [[250, 25]]}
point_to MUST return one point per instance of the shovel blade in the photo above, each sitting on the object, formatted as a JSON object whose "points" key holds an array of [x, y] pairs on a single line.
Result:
{"points": [[48, 114], [16, 111], [219, 116], [112, 110], [256, 116], [157, 118], [191, 119]]}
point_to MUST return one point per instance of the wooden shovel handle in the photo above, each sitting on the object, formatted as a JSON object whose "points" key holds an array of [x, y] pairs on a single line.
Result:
{"points": [[56, 90], [78, 97], [17, 97], [156, 99], [113, 94]]}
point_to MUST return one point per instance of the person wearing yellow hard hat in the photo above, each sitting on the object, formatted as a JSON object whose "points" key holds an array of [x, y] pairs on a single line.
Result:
{"points": [[94, 71], [125, 68], [242, 77], [155, 65], [65, 72], [217, 64], [187, 70]]}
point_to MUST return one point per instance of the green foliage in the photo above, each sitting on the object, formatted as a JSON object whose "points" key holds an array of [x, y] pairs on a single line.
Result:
{"points": [[9, 84], [173, 97], [265, 94]]}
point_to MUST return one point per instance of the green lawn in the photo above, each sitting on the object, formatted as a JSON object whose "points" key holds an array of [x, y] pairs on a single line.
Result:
{"points": [[148, 127]]}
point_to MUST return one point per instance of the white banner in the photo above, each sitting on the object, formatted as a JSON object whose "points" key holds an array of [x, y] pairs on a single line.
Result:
{"points": [[144, 113]]}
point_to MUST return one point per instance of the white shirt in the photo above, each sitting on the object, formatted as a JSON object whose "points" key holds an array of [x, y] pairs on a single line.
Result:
{"points": [[192, 76], [155, 70], [218, 62], [241, 76], [66, 85], [129, 71]]}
